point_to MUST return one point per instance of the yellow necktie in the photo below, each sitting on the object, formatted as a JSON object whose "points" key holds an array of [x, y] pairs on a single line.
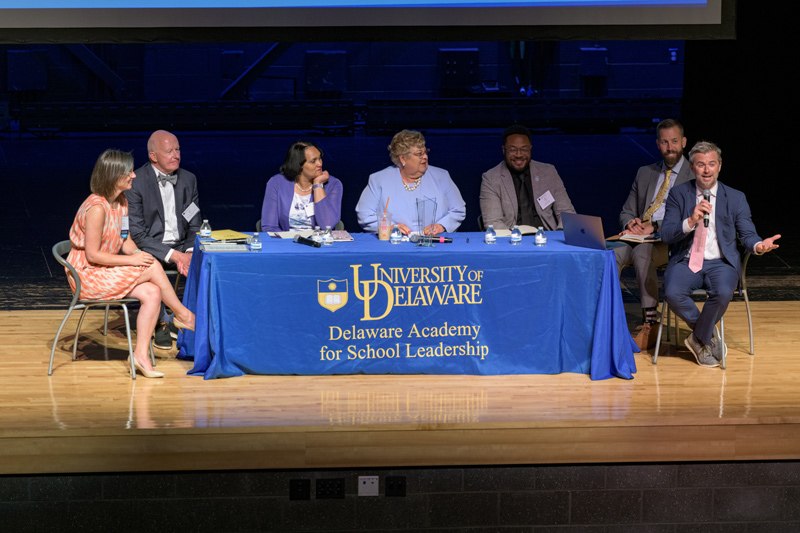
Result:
{"points": [[662, 192]]}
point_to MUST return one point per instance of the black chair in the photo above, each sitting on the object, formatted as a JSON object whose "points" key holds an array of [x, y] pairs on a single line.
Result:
{"points": [[60, 252], [741, 290]]}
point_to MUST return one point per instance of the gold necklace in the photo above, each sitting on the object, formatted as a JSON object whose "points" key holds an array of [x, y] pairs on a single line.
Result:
{"points": [[416, 184], [299, 188]]}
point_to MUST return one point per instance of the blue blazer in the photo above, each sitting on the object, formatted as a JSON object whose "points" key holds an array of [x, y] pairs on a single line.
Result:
{"points": [[732, 220], [278, 201]]}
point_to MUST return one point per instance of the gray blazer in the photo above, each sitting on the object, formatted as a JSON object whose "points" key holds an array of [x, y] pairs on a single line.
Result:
{"points": [[499, 198], [146, 211], [644, 189]]}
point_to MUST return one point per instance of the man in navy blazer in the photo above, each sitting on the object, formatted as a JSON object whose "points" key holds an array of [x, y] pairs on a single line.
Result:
{"points": [[642, 215], [705, 255], [164, 210]]}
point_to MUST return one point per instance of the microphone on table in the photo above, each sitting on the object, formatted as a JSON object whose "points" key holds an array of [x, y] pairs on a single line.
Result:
{"points": [[707, 198], [308, 242], [417, 237]]}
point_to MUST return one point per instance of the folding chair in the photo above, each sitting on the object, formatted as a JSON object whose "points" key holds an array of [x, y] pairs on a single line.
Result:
{"points": [[60, 252], [741, 290]]}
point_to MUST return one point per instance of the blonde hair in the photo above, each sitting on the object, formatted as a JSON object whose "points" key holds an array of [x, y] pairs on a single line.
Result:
{"points": [[110, 167], [704, 147], [403, 142]]}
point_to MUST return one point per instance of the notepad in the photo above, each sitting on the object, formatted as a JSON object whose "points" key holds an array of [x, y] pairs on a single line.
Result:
{"points": [[524, 229], [228, 235]]}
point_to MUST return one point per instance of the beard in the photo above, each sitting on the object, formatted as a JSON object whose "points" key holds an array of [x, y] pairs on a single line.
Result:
{"points": [[518, 165], [671, 159]]}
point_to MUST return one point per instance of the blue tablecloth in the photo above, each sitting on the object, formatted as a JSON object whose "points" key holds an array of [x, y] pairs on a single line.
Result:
{"points": [[373, 307]]}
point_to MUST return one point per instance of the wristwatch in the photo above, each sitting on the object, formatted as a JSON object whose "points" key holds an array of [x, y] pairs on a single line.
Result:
{"points": [[318, 185]]}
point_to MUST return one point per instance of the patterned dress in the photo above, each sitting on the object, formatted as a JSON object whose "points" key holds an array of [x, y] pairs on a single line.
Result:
{"points": [[101, 282]]}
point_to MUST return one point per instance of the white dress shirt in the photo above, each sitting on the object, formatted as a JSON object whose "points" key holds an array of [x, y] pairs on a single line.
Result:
{"points": [[712, 250], [171, 233]]}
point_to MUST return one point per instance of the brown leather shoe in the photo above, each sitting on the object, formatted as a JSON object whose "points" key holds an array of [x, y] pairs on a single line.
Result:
{"points": [[646, 338]]}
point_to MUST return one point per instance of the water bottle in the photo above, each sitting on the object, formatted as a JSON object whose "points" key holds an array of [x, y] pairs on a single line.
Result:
{"points": [[395, 237], [327, 237], [491, 236], [255, 243], [317, 235], [205, 229], [541, 238], [516, 235]]}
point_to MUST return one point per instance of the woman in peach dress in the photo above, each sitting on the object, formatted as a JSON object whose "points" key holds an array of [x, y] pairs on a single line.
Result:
{"points": [[109, 263]]}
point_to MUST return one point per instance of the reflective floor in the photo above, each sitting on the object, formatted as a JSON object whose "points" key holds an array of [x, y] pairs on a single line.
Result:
{"points": [[96, 392]]}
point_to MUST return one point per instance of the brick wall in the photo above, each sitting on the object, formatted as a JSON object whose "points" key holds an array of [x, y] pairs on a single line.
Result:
{"points": [[720, 497]]}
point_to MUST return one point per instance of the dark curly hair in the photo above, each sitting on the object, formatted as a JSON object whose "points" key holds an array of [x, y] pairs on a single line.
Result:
{"points": [[516, 129]]}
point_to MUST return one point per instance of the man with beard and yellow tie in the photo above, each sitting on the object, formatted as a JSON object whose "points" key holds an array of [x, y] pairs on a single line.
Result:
{"points": [[642, 214], [702, 222]]}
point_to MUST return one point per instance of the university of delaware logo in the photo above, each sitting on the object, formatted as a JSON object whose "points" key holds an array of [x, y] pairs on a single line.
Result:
{"points": [[332, 294], [370, 291]]}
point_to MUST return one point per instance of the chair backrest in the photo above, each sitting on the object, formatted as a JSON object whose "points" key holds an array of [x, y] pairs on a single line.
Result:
{"points": [[480, 223], [258, 226], [743, 273], [60, 252]]}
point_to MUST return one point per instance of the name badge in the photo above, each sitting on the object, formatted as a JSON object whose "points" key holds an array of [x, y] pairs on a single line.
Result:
{"points": [[124, 228], [190, 212], [546, 200], [309, 208]]}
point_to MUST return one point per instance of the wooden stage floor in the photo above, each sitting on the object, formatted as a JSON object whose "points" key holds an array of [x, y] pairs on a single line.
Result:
{"points": [[91, 417]]}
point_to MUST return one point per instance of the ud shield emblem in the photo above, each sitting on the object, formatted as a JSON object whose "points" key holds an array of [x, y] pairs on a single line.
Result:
{"points": [[332, 293]]}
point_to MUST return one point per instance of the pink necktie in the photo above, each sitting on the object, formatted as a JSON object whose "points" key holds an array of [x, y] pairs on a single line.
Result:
{"points": [[698, 248]]}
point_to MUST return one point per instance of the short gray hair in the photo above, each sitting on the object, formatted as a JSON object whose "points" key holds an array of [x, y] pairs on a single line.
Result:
{"points": [[704, 147], [403, 142]]}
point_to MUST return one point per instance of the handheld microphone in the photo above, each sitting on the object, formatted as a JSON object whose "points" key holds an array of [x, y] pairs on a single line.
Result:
{"points": [[707, 198], [417, 238], [308, 242]]}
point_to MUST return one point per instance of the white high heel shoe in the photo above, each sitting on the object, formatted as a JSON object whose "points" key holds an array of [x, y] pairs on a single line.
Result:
{"points": [[146, 373]]}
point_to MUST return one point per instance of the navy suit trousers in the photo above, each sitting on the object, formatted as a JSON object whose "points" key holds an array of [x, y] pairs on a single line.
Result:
{"points": [[717, 277]]}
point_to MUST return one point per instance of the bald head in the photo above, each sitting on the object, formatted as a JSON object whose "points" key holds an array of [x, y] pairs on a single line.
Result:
{"points": [[164, 151]]}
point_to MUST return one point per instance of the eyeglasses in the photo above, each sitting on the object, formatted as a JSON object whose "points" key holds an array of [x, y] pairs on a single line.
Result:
{"points": [[422, 154], [513, 150]]}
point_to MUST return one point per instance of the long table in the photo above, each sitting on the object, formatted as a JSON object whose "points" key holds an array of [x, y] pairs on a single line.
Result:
{"points": [[372, 307]]}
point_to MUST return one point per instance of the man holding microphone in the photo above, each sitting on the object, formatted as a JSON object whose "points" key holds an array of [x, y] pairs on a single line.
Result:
{"points": [[702, 220]]}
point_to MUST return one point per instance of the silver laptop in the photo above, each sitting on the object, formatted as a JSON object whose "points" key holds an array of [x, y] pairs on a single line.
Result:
{"points": [[583, 230]]}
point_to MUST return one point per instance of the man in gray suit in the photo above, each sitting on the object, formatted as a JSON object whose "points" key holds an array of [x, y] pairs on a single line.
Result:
{"points": [[164, 212], [642, 214], [520, 190]]}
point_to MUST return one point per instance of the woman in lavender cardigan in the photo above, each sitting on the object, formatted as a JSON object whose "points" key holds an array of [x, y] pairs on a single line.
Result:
{"points": [[302, 195]]}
